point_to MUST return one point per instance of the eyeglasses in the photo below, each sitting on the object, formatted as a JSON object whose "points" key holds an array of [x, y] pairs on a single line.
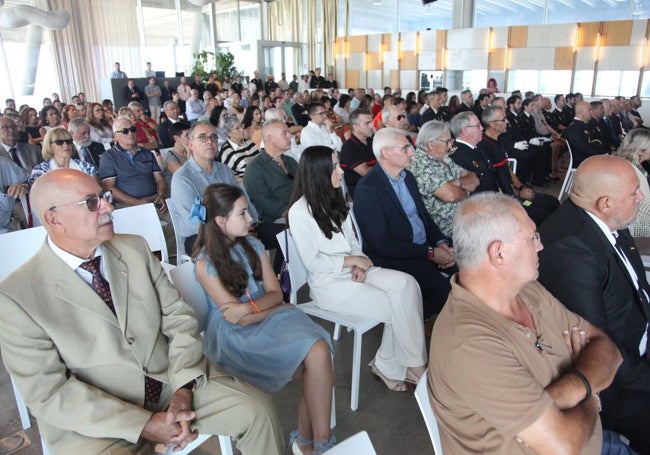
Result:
{"points": [[92, 202], [477, 125], [406, 148], [208, 137], [7, 127], [533, 238], [447, 141], [320, 113], [499, 120], [125, 131], [401, 117], [60, 142]]}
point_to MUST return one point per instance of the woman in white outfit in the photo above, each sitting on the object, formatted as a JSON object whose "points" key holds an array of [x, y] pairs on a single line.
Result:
{"points": [[343, 279]]}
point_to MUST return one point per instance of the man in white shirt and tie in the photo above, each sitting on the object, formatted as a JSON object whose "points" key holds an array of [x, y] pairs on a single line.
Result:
{"points": [[86, 149], [591, 264]]}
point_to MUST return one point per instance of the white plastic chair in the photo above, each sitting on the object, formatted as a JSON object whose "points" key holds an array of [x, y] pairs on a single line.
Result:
{"points": [[181, 254], [358, 444], [182, 277], [17, 248], [422, 397], [568, 177], [358, 324], [142, 220], [184, 280]]}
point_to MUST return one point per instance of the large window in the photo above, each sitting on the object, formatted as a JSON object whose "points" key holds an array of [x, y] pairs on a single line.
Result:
{"points": [[491, 13], [391, 16]]}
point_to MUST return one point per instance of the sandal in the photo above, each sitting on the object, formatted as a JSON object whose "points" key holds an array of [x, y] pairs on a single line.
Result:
{"points": [[392, 384], [323, 446], [296, 440]]}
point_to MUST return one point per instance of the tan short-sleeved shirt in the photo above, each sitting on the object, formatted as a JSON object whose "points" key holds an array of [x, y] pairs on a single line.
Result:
{"points": [[487, 376]]}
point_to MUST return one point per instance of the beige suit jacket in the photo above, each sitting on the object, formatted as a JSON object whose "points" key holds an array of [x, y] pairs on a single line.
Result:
{"points": [[80, 369]]}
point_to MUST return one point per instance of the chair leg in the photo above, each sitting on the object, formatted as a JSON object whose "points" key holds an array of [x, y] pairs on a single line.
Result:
{"points": [[225, 444], [356, 369], [22, 407], [337, 332], [44, 448]]}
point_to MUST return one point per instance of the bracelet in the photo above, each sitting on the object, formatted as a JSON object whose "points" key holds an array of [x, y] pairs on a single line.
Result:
{"points": [[256, 309], [584, 380], [598, 402]]}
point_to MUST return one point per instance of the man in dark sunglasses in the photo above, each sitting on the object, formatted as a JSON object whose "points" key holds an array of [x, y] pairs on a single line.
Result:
{"points": [[395, 117], [130, 171], [104, 350]]}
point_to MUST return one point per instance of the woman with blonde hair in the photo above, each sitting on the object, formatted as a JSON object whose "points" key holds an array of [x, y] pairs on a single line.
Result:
{"points": [[635, 148], [57, 153]]}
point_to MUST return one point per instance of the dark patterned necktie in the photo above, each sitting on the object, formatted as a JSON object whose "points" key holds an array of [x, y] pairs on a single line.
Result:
{"points": [[152, 387], [14, 155]]}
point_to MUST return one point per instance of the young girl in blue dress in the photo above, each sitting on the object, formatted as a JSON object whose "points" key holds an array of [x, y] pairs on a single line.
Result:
{"points": [[250, 332]]}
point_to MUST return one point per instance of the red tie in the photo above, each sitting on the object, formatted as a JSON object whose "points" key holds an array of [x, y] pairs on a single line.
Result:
{"points": [[152, 387]]}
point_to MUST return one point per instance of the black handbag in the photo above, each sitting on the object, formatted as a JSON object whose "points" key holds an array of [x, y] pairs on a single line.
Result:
{"points": [[285, 279]]}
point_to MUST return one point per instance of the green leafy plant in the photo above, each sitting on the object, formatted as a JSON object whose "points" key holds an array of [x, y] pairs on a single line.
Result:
{"points": [[222, 63]]}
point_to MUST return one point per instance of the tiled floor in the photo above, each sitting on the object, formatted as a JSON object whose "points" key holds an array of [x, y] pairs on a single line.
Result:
{"points": [[392, 419]]}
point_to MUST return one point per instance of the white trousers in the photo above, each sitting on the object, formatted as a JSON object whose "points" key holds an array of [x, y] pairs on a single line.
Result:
{"points": [[391, 297]]}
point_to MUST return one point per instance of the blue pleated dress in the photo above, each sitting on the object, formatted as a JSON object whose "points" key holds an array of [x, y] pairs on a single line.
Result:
{"points": [[267, 354]]}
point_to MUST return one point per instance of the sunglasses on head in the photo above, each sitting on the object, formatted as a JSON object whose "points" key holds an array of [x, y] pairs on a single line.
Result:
{"points": [[133, 129], [60, 142]]}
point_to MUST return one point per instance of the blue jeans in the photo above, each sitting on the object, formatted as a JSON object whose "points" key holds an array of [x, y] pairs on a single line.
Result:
{"points": [[613, 445]]}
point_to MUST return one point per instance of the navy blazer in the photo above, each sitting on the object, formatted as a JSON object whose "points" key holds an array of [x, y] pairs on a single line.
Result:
{"points": [[385, 228], [580, 268]]}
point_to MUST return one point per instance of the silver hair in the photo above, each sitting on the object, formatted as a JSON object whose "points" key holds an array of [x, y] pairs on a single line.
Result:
{"points": [[120, 119], [169, 104], [490, 114], [430, 131], [275, 114], [477, 225], [385, 137], [460, 121], [636, 140], [227, 124], [133, 104], [75, 123]]}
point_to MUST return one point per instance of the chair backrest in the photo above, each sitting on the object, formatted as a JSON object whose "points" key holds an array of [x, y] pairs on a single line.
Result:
{"points": [[18, 247], [142, 220], [422, 397], [181, 254], [297, 270], [184, 280], [568, 178], [358, 444]]}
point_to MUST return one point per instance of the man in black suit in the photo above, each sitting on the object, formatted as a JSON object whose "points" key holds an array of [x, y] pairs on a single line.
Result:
{"points": [[171, 110], [132, 92], [396, 229], [467, 101], [25, 155], [85, 149], [591, 264], [299, 110], [579, 137]]}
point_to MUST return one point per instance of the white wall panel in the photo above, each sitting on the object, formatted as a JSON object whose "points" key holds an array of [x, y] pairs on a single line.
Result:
{"points": [[407, 81], [467, 59], [532, 59], [638, 32], [374, 43], [356, 61], [428, 40], [615, 58], [586, 58], [374, 79], [427, 61], [500, 37], [409, 40], [559, 35]]}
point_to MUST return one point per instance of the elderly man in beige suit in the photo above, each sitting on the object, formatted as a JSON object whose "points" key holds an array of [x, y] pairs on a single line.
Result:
{"points": [[110, 360]]}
